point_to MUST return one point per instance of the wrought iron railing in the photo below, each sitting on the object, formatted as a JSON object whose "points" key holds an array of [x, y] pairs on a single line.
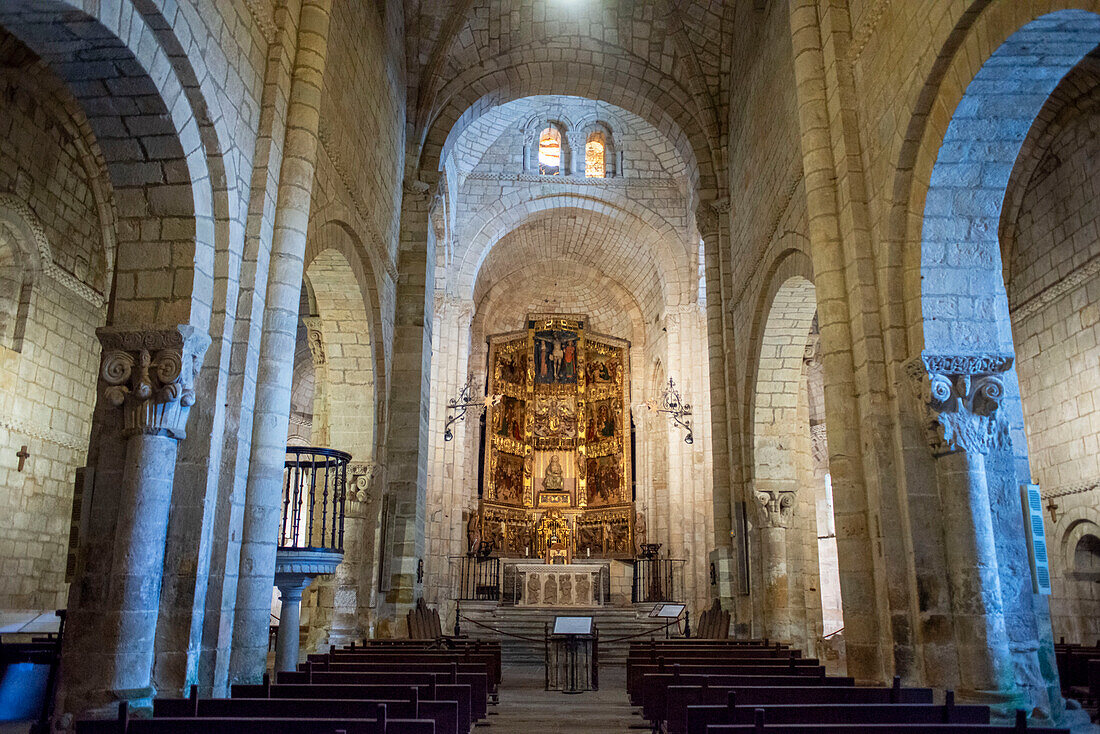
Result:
{"points": [[477, 579], [658, 579], [314, 488]]}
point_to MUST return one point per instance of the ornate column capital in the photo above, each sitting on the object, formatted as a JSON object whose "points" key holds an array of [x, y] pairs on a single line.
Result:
{"points": [[150, 375], [315, 337], [960, 396], [360, 476], [706, 219], [776, 507]]}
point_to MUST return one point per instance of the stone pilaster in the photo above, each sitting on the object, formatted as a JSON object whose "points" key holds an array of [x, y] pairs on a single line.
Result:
{"points": [[960, 397], [147, 378]]}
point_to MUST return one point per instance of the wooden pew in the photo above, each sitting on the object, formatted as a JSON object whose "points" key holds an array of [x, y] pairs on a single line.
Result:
{"points": [[405, 706], [755, 667], [459, 694], [478, 682], [380, 724], [700, 719], [711, 699], [652, 694], [491, 659]]}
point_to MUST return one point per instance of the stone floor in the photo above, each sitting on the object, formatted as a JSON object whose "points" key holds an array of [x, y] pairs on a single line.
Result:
{"points": [[525, 707]]}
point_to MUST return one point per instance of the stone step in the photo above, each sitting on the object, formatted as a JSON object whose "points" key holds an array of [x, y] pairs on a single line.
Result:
{"points": [[501, 622]]}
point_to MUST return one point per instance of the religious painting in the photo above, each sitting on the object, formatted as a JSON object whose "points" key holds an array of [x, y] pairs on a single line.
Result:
{"points": [[510, 417], [555, 357], [604, 475], [603, 421], [602, 369], [508, 479], [512, 368], [555, 416]]}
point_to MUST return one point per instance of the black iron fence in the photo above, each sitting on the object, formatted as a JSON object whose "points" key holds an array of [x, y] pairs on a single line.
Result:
{"points": [[478, 578], [314, 488], [658, 579]]}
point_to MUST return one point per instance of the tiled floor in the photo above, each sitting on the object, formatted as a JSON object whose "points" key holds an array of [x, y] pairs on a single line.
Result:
{"points": [[525, 708]]}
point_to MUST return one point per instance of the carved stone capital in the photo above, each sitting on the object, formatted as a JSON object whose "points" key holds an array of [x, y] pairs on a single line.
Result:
{"points": [[776, 507], [360, 477], [960, 396], [150, 375], [315, 337], [706, 219]]}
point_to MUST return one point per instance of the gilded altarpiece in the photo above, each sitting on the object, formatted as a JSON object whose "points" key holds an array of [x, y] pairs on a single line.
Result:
{"points": [[557, 449]]}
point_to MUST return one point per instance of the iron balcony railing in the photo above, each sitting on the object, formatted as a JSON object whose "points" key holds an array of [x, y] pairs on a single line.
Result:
{"points": [[314, 489], [478, 579], [658, 579]]}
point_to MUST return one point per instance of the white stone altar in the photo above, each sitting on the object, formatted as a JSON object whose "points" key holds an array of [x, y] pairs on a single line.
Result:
{"points": [[559, 585]]}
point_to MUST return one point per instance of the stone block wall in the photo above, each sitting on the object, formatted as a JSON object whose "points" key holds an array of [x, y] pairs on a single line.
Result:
{"points": [[48, 377]]}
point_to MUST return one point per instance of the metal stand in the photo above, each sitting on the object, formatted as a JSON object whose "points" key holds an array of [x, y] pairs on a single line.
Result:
{"points": [[572, 662]]}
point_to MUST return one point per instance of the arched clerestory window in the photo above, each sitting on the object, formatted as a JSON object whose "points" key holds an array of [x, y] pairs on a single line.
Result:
{"points": [[595, 156], [550, 154]]}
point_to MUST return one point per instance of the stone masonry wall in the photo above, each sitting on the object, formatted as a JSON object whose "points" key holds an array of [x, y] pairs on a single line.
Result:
{"points": [[47, 389]]}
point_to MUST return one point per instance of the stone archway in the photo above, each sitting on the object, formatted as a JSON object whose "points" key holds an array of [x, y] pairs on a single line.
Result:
{"points": [[965, 380], [341, 343], [789, 484]]}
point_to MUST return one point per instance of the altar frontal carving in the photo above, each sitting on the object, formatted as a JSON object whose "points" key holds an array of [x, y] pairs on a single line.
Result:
{"points": [[558, 442]]}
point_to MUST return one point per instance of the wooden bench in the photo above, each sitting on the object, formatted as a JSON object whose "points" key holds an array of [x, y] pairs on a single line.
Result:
{"points": [[491, 660], [652, 694], [459, 694], [754, 667], [701, 719], [706, 698], [380, 724], [477, 682], [405, 705]]}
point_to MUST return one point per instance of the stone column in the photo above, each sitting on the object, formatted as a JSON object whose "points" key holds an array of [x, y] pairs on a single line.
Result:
{"points": [[960, 397], [776, 508], [149, 377], [276, 365], [574, 143], [289, 636]]}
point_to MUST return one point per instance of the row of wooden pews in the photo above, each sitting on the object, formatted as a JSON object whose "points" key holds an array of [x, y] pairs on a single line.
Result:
{"points": [[396, 687], [731, 686], [1079, 670]]}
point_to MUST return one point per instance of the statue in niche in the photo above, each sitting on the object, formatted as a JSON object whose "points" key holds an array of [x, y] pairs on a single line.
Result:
{"points": [[473, 533], [554, 481], [639, 531]]}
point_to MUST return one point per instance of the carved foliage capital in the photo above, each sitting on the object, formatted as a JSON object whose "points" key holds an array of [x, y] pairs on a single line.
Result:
{"points": [[960, 396], [776, 507], [150, 375]]}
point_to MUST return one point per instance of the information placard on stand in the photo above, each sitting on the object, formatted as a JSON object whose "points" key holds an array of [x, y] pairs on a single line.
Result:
{"points": [[572, 626]]}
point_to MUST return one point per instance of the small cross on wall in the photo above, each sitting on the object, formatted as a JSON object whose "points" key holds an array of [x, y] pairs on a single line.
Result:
{"points": [[23, 455]]}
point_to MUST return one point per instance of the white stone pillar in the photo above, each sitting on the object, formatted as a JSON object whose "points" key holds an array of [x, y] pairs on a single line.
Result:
{"points": [[960, 396], [149, 376], [276, 365], [288, 638], [776, 509]]}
